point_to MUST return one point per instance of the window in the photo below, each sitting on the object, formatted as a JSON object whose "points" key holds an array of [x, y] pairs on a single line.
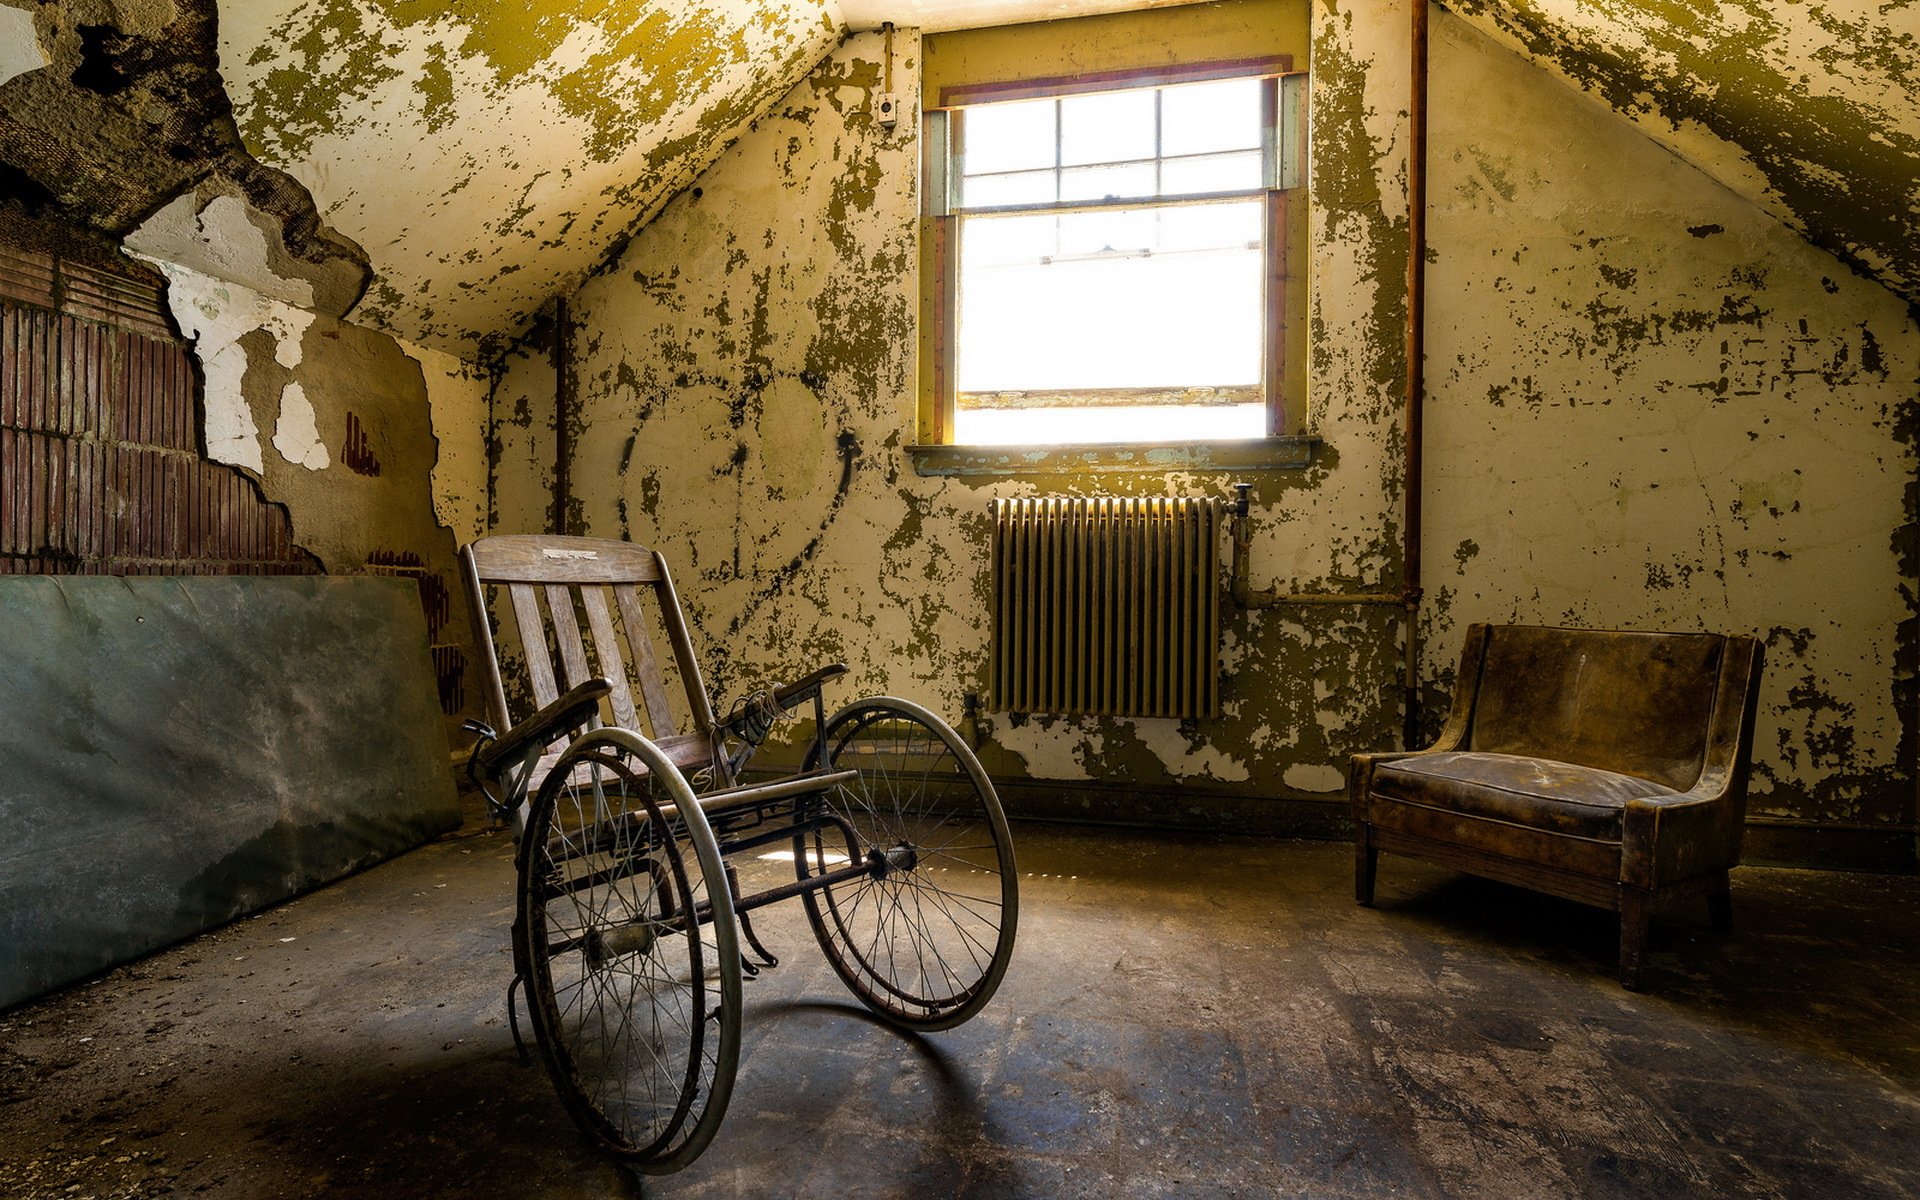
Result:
{"points": [[1111, 256]]}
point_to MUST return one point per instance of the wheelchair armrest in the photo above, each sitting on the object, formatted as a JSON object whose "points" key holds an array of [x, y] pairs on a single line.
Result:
{"points": [[799, 689], [569, 711]]}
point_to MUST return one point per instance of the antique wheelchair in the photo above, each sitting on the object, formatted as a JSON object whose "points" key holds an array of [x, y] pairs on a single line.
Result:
{"points": [[630, 916]]}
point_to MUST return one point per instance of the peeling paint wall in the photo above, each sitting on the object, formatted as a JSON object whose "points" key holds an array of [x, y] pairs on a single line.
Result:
{"points": [[488, 155], [746, 388], [1653, 406]]}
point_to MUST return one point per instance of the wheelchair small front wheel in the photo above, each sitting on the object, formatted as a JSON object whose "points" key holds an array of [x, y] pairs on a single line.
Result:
{"points": [[626, 940], [925, 936]]}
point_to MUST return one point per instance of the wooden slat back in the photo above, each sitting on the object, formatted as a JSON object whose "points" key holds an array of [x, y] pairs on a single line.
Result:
{"points": [[646, 666], [606, 649], [608, 579], [533, 642], [566, 633]]}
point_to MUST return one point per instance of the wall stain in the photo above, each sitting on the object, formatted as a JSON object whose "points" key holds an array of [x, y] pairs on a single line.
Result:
{"points": [[778, 580]]}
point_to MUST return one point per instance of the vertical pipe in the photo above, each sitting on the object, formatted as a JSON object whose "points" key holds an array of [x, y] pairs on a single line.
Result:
{"points": [[562, 414], [1416, 357]]}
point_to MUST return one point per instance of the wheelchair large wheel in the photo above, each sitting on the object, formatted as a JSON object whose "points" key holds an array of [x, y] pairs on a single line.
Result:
{"points": [[924, 937], [627, 944]]}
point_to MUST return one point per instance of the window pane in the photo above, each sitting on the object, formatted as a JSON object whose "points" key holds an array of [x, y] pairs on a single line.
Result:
{"points": [[1100, 183], [1136, 319], [1202, 118], [1213, 173], [1106, 127], [1211, 226], [1191, 319], [1011, 136], [1024, 187], [1003, 241], [1108, 231]]}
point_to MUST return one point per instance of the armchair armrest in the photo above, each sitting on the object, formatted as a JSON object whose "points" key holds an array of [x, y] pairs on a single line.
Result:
{"points": [[568, 711], [1665, 839], [1669, 838], [1360, 772], [1453, 735]]}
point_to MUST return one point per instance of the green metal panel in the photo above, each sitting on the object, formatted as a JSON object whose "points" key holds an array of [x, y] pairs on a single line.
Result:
{"points": [[176, 752]]}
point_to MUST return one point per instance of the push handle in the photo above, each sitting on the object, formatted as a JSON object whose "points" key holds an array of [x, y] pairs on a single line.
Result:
{"points": [[786, 695]]}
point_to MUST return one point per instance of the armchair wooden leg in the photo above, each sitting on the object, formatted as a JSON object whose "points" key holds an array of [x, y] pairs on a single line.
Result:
{"points": [[1636, 915], [1365, 860], [1720, 904]]}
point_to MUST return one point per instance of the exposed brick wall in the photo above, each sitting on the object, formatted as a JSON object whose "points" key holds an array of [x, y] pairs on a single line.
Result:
{"points": [[100, 466]]}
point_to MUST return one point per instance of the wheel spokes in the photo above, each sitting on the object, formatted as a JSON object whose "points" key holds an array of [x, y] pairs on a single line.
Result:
{"points": [[918, 942]]}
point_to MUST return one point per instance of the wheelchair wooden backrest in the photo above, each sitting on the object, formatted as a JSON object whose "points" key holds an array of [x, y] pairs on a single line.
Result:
{"points": [[624, 592]]}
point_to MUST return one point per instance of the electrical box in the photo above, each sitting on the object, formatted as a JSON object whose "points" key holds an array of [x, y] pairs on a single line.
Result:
{"points": [[886, 109]]}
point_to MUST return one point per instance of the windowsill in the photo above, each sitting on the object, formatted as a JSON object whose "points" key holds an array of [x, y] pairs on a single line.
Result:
{"points": [[1290, 453]]}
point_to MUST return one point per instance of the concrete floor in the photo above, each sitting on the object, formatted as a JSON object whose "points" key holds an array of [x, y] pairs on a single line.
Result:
{"points": [[1184, 1018]]}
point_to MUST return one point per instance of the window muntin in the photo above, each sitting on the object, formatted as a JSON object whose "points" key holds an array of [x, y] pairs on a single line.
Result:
{"points": [[1172, 141]]}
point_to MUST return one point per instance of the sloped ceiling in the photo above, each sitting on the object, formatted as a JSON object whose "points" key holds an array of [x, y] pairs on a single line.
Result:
{"points": [[934, 16], [1809, 109], [486, 155]]}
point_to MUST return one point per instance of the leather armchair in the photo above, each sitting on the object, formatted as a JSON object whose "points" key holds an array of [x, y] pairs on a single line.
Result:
{"points": [[1606, 767]]}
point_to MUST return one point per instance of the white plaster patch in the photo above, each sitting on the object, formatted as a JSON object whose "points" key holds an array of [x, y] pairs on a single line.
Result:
{"points": [[1169, 745], [457, 406], [232, 437], [1055, 750], [1314, 777], [215, 316], [297, 434], [223, 239], [20, 50]]}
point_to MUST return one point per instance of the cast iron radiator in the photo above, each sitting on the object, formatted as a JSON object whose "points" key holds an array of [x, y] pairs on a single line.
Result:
{"points": [[1108, 606]]}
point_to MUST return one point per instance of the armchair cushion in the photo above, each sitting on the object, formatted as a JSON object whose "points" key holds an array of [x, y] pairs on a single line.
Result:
{"points": [[1535, 793]]}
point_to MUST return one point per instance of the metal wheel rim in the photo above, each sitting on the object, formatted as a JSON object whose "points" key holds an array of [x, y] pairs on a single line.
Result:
{"points": [[706, 972], [853, 941]]}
